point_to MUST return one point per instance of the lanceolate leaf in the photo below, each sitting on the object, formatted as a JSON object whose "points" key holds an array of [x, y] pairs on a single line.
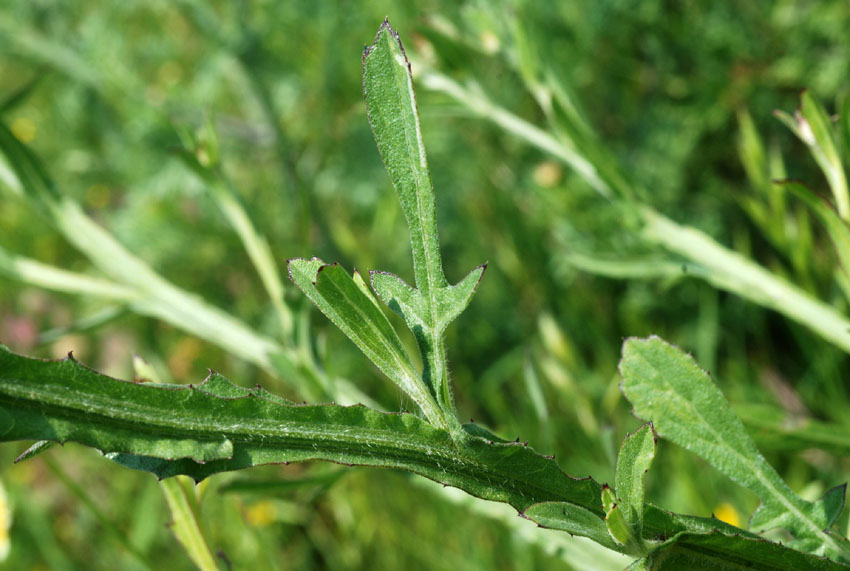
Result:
{"points": [[667, 387], [433, 304], [391, 106], [349, 305], [199, 430], [635, 457]]}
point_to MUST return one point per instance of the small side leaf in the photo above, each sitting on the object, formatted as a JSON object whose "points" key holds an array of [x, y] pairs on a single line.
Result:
{"points": [[572, 519], [617, 524], [35, 450], [635, 458], [401, 298], [344, 302], [455, 299]]}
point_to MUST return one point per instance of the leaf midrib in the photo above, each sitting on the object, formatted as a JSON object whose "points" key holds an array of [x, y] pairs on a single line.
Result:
{"points": [[758, 471], [377, 447]]}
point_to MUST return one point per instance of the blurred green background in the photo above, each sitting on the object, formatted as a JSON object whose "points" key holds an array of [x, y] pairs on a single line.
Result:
{"points": [[106, 89]]}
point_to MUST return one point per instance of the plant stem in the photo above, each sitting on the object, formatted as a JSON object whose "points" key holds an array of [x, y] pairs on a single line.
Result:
{"points": [[185, 524], [732, 272]]}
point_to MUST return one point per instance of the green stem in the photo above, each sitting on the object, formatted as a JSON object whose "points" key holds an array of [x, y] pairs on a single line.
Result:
{"points": [[732, 272], [185, 523]]}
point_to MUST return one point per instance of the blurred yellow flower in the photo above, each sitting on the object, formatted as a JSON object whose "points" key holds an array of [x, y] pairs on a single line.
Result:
{"points": [[727, 512], [5, 524]]}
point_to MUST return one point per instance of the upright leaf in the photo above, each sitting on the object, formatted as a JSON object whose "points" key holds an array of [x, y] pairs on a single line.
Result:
{"points": [[667, 387], [812, 126], [836, 227], [393, 115], [391, 106], [348, 304], [635, 458]]}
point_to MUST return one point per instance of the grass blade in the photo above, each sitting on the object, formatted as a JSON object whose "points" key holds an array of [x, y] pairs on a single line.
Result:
{"points": [[185, 524]]}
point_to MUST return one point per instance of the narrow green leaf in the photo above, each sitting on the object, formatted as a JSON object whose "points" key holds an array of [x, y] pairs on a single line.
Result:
{"points": [[667, 387], [751, 150], [618, 525], [11, 101], [633, 461], [201, 157], [185, 523], [572, 519], [171, 429], [773, 429], [35, 450], [837, 229], [344, 302], [391, 107], [812, 126]]}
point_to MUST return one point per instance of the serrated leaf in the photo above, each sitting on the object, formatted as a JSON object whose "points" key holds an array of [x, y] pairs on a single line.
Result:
{"points": [[572, 519], [198, 430], [633, 461], [391, 107], [344, 302], [668, 388], [718, 552]]}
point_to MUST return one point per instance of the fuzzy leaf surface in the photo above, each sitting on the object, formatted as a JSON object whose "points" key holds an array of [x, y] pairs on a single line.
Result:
{"points": [[718, 552], [433, 304], [667, 387], [636, 455], [215, 426], [350, 307], [391, 106]]}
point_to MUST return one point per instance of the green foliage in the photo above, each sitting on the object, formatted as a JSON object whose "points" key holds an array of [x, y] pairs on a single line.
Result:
{"points": [[668, 388], [194, 151], [633, 461], [428, 309]]}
